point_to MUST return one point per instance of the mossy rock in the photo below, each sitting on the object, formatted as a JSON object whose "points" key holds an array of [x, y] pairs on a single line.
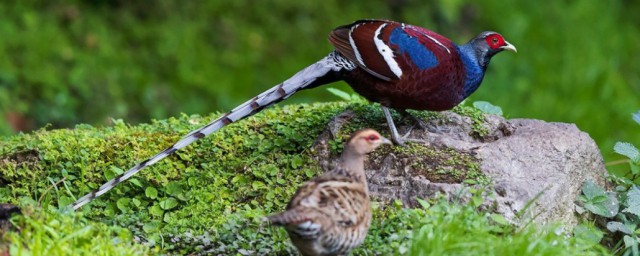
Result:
{"points": [[210, 196]]}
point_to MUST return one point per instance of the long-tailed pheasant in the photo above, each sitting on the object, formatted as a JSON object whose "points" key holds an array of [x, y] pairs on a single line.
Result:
{"points": [[331, 214], [397, 65]]}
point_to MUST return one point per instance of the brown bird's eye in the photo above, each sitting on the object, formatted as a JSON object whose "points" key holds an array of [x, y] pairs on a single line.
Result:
{"points": [[495, 40], [372, 137]]}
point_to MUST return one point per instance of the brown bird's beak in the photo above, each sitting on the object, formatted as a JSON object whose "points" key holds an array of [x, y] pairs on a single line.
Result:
{"points": [[508, 46], [384, 140]]}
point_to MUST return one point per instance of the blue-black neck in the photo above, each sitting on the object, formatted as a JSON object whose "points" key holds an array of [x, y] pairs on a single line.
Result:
{"points": [[475, 64]]}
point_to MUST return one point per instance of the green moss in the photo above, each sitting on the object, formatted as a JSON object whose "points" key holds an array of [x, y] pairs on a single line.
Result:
{"points": [[245, 170], [210, 196], [444, 165], [478, 128]]}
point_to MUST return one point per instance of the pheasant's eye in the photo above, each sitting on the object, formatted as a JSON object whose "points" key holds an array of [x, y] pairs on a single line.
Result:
{"points": [[495, 41], [372, 137]]}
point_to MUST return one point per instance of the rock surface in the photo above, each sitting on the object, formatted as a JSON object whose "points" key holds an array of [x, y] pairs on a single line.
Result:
{"points": [[523, 159], [6, 210]]}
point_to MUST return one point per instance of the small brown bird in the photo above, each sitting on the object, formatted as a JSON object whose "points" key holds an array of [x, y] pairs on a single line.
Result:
{"points": [[331, 214]]}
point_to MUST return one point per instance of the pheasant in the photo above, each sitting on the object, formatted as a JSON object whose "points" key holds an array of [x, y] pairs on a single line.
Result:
{"points": [[331, 214], [398, 65]]}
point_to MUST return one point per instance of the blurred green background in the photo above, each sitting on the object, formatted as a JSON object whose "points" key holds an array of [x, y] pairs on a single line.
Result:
{"points": [[69, 62]]}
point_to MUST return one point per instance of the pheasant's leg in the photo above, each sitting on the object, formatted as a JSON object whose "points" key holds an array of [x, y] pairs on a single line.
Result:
{"points": [[419, 122], [395, 137]]}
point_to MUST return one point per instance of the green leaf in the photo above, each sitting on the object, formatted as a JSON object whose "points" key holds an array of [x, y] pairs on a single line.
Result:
{"points": [[156, 210], [423, 203], [174, 188], [628, 150], [635, 168], [630, 241], [296, 162], [123, 204], [592, 190], [258, 185], [270, 195], [499, 219], [151, 226], [136, 202], [151, 192], [309, 173], [614, 226], [168, 218], [488, 108], [606, 208], [116, 170], [341, 94], [136, 182], [588, 233], [168, 203], [633, 201], [599, 202], [65, 200], [636, 117], [112, 172]]}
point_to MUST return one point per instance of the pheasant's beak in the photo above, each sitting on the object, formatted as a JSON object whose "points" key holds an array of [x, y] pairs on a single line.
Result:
{"points": [[508, 46]]}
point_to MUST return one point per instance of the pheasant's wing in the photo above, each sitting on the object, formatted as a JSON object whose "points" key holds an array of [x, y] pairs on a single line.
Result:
{"points": [[356, 41], [386, 49]]}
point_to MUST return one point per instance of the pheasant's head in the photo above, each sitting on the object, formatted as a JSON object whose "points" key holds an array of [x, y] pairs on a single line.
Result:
{"points": [[365, 141], [487, 44]]}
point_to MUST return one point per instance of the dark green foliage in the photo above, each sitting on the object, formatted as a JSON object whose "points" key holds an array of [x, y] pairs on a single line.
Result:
{"points": [[70, 62], [226, 182], [617, 212]]}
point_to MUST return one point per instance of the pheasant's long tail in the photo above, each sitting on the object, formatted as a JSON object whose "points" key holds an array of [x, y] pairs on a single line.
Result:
{"points": [[322, 72]]}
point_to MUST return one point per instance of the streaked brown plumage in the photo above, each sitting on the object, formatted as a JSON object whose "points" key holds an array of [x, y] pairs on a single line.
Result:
{"points": [[331, 214]]}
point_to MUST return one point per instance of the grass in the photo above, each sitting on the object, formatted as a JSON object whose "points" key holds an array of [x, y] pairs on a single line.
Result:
{"points": [[50, 232], [441, 227], [209, 198], [460, 229]]}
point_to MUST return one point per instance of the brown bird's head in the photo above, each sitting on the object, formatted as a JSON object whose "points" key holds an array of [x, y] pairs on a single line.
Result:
{"points": [[365, 141]]}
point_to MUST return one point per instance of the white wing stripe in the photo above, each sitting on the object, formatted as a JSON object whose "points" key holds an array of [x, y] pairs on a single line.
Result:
{"points": [[355, 48], [438, 43], [386, 52]]}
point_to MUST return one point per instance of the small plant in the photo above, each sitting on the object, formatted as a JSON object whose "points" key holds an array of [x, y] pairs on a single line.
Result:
{"points": [[633, 154], [487, 107], [466, 229], [354, 97], [615, 212]]}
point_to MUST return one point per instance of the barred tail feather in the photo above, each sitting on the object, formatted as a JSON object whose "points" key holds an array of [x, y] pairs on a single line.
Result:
{"points": [[321, 72], [301, 221]]}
